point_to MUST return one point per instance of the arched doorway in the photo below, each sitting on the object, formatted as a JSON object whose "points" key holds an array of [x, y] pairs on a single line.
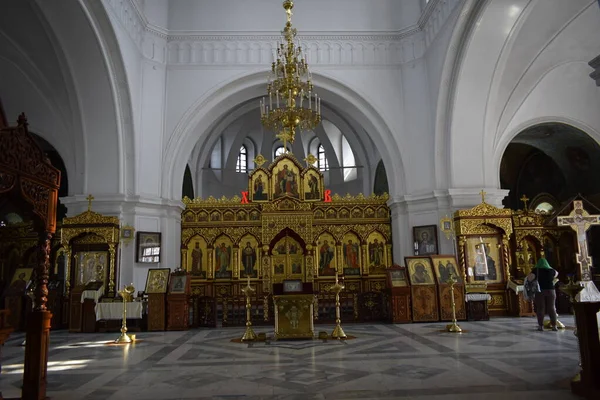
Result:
{"points": [[551, 164]]}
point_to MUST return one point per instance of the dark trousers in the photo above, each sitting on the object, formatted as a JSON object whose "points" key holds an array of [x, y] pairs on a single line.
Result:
{"points": [[545, 302]]}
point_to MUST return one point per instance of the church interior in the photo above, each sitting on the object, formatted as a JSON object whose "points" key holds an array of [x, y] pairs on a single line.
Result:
{"points": [[298, 199]]}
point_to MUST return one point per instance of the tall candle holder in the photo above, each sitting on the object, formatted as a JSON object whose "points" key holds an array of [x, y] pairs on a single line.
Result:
{"points": [[249, 335], [127, 295], [453, 327], [338, 332]]}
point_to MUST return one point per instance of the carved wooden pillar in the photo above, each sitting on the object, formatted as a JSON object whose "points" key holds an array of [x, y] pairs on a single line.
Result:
{"points": [[461, 256], [365, 259], [184, 264], [266, 269], [111, 278], [68, 254], [210, 273], [339, 258], [38, 328], [506, 256], [388, 255], [236, 262], [309, 264]]}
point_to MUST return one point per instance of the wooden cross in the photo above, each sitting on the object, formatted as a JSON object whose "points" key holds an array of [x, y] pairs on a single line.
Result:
{"points": [[482, 193], [89, 199], [524, 199], [580, 221]]}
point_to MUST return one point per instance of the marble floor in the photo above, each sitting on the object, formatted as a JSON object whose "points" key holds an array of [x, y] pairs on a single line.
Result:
{"points": [[505, 358]]}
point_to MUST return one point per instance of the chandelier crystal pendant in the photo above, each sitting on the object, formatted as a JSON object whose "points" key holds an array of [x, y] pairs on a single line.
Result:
{"points": [[292, 104]]}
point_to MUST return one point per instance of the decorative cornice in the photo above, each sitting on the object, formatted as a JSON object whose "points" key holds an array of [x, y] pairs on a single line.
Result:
{"points": [[330, 48]]}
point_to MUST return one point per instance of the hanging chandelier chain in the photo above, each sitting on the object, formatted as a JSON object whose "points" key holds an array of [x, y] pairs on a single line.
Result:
{"points": [[292, 105]]}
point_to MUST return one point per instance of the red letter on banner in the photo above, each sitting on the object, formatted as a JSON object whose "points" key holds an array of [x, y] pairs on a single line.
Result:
{"points": [[328, 196], [245, 198]]}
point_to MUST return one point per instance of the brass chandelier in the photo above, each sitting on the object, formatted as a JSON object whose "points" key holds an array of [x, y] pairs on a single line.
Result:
{"points": [[292, 103]]}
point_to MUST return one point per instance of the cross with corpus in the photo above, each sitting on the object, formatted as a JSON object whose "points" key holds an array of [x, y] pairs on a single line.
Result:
{"points": [[482, 193], [89, 199], [580, 221]]}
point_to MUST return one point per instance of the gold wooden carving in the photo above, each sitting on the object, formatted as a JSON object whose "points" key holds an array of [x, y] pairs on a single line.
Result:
{"points": [[87, 228], [284, 197]]}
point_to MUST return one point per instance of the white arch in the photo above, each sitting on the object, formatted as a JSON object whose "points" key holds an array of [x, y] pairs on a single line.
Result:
{"points": [[74, 89], [483, 97], [510, 135], [208, 109]]}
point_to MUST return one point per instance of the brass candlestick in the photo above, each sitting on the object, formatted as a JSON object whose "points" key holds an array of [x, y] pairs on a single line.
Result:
{"points": [[249, 334], [338, 332], [126, 294], [453, 327]]}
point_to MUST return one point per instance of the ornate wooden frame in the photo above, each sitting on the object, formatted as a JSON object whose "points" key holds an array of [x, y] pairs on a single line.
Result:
{"points": [[27, 172], [94, 228]]}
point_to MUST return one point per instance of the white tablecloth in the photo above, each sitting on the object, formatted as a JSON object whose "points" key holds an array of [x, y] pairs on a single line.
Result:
{"points": [[515, 287], [92, 294], [115, 310], [478, 297]]}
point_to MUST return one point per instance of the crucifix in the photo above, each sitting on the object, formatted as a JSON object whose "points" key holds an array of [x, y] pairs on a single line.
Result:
{"points": [[525, 200], [285, 137], [89, 199], [580, 221], [482, 193]]}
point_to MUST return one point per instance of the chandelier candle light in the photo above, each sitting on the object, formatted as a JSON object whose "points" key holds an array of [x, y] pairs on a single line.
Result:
{"points": [[292, 103]]}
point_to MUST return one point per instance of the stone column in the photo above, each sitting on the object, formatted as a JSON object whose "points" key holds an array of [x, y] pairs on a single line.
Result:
{"points": [[401, 233]]}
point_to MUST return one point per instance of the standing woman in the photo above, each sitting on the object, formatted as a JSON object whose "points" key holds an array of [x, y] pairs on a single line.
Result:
{"points": [[545, 300]]}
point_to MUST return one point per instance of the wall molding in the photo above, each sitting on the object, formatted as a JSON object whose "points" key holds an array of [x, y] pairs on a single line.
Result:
{"points": [[218, 48]]}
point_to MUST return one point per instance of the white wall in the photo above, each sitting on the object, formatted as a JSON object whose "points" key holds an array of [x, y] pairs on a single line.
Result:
{"points": [[534, 71], [268, 15]]}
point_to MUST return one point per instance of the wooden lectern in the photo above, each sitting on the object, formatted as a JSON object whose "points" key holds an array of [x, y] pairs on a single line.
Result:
{"points": [[293, 303], [178, 301]]}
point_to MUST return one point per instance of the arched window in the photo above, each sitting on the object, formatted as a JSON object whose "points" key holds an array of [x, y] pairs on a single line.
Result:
{"points": [[242, 160], [322, 163], [279, 151]]}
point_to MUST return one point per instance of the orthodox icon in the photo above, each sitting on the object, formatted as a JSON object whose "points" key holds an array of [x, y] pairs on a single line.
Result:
{"points": [[425, 238], [157, 280], [445, 267], [90, 266], [223, 255], [259, 186], [178, 283], [326, 252], [420, 271], [249, 256], [285, 179], [197, 257], [20, 279], [312, 185], [483, 259], [376, 259], [351, 253]]}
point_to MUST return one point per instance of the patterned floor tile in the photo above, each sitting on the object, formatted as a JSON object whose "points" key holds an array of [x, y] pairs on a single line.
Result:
{"points": [[416, 361]]}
